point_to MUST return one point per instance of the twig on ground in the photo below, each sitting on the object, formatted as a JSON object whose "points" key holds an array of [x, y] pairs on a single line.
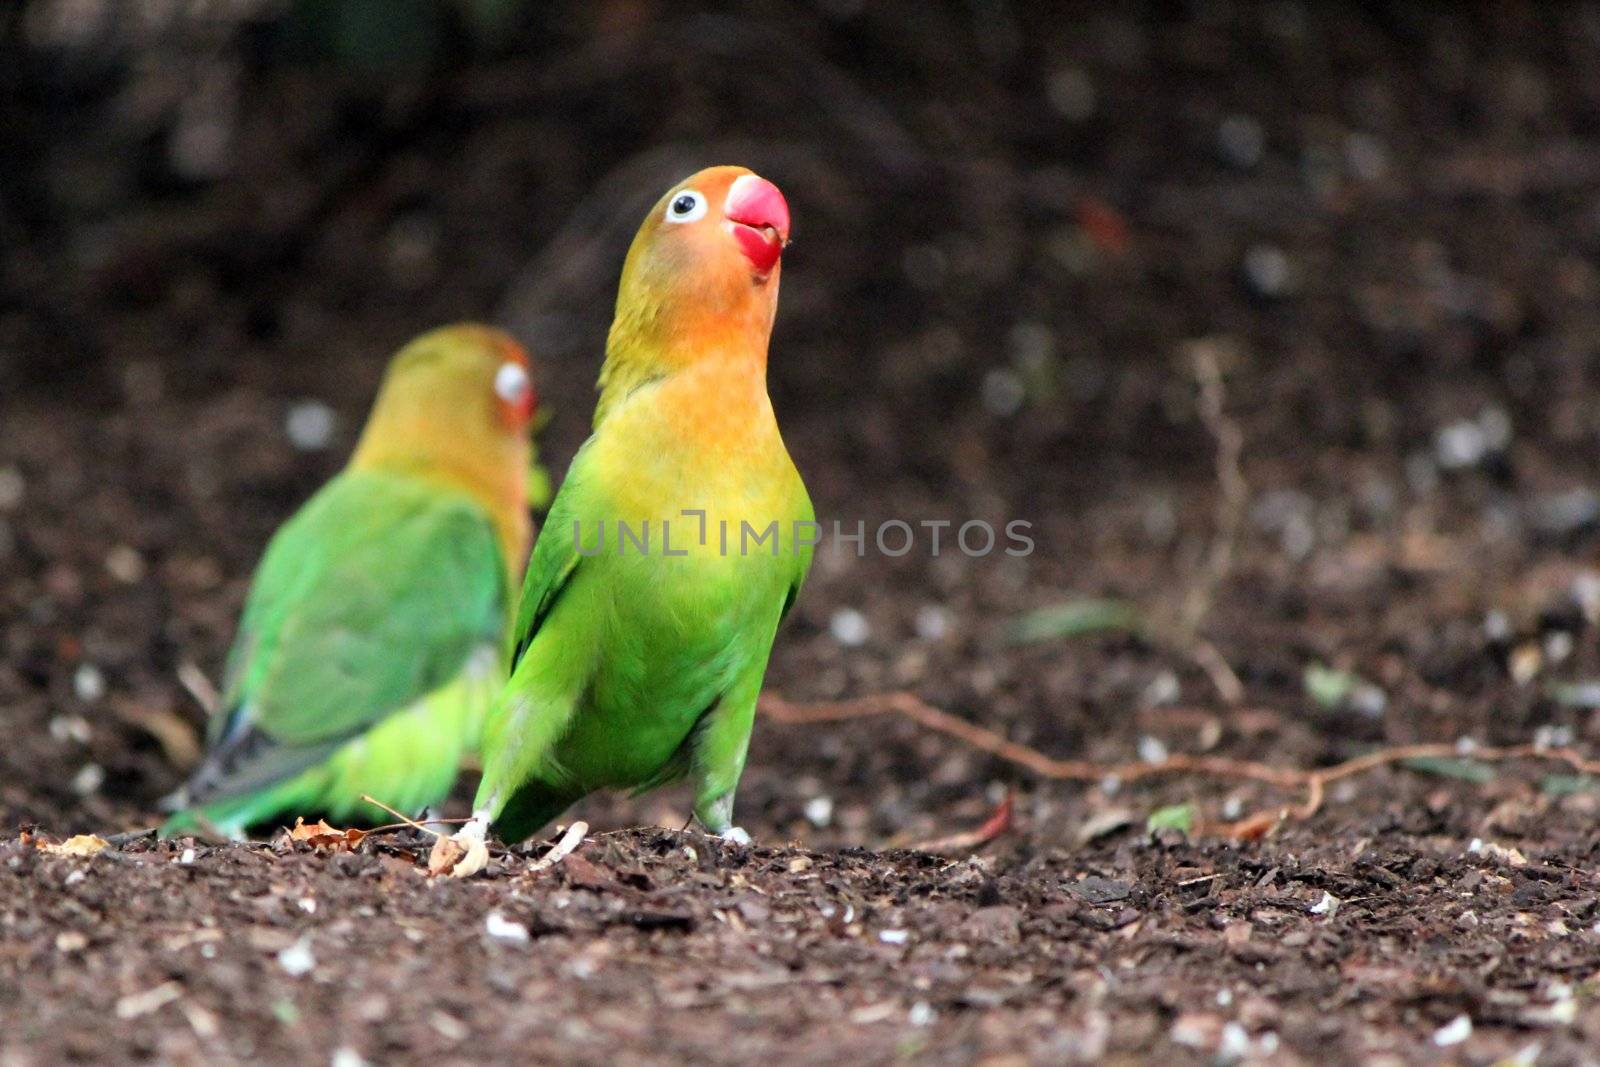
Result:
{"points": [[563, 848], [1232, 497], [998, 822], [1313, 782], [198, 686], [404, 819]]}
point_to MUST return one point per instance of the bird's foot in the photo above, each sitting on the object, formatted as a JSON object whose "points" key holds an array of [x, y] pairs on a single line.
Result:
{"points": [[464, 853]]}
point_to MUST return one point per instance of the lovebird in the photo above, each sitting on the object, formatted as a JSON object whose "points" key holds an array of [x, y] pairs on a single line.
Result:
{"points": [[650, 606], [372, 642]]}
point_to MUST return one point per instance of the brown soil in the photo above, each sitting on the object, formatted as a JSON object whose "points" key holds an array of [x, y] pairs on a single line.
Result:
{"points": [[1011, 237]]}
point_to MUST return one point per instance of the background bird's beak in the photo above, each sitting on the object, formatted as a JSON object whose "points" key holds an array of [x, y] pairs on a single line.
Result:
{"points": [[758, 217]]}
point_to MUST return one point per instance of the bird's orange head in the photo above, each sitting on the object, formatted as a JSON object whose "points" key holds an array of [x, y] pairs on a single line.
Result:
{"points": [[701, 277]]}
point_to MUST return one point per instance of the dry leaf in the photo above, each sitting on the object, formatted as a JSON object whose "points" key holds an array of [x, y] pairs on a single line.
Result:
{"points": [[319, 835], [81, 845]]}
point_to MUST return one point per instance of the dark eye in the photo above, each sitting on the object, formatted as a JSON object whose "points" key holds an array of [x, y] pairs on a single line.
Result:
{"points": [[686, 206]]}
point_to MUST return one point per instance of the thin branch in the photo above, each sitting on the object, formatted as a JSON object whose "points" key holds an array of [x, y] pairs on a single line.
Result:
{"points": [[1232, 497], [1313, 782]]}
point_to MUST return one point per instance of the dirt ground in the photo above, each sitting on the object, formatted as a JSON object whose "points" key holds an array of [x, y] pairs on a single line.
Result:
{"points": [[1015, 230]]}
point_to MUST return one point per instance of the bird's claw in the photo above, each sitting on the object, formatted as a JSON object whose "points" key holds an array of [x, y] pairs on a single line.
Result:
{"points": [[462, 854]]}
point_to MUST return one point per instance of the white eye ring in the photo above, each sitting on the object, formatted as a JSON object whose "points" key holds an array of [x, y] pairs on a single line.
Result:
{"points": [[511, 383], [686, 205]]}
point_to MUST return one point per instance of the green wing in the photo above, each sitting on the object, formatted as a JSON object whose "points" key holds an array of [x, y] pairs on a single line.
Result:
{"points": [[375, 594], [555, 559]]}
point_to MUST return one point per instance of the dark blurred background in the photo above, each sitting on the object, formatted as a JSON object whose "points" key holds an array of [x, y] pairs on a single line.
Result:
{"points": [[1016, 224]]}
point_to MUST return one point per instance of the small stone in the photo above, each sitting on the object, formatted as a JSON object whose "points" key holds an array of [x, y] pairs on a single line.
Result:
{"points": [[1153, 750], [932, 622], [1460, 445], [922, 1014], [1453, 1032], [849, 628], [310, 425], [1328, 905], [503, 929], [125, 565], [88, 683], [1241, 141], [894, 937], [1365, 157], [1268, 271], [1003, 392], [89, 779], [297, 960], [819, 812]]}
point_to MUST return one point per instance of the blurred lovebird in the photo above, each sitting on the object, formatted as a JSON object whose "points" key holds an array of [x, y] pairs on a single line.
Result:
{"points": [[373, 639], [677, 543]]}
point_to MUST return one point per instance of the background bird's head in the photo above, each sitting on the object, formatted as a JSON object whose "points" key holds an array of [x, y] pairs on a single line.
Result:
{"points": [[456, 408], [463, 380]]}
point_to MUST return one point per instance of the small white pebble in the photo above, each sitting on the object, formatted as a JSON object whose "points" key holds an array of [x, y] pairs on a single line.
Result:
{"points": [[125, 565], [1328, 905], [1235, 1044], [297, 959], [1241, 140], [1475, 846], [88, 683], [849, 627], [71, 728], [1460, 445], [74, 877], [1453, 1032], [498, 926], [1152, 750], [1269, 270], [345, 1056], [922, 1014], [308, 905], [933, 622], [309, 425], [819, 812], [187, 857], [89, 779], [1164, 688], [1224, 997], [1003, 392], [894, 937]]}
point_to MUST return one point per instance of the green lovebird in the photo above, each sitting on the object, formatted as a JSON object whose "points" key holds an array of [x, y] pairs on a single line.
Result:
{"points": [[372, 642], [677, 543]]}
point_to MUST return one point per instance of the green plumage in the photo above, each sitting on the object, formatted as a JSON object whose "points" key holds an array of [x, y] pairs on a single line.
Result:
{"points": [[366, 657], [635, 668]]}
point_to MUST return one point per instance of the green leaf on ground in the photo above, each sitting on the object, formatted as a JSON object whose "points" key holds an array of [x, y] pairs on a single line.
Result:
{"points": [[1075, 618], [1445, 767], [1561, 785], [1178, 817]]}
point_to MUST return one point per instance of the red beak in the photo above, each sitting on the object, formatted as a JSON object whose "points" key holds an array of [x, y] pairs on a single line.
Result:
{"points": [[759, 218]]}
